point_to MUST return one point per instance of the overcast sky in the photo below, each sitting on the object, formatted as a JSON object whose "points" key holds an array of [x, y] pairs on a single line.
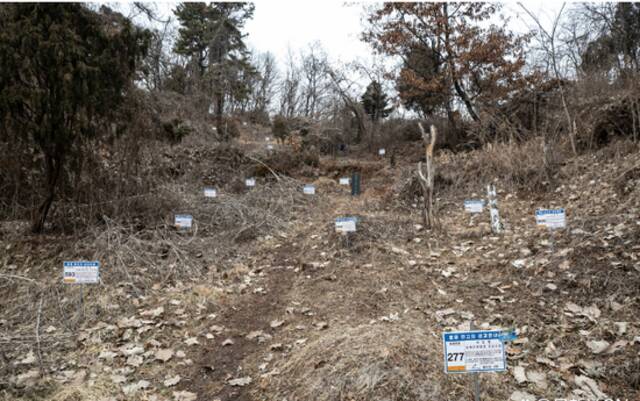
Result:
{"points": [[336, 25]]}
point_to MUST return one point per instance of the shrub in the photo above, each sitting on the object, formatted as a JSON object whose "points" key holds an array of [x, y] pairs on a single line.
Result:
{"points": [[280, 128], [175, 130], [228, 128]]}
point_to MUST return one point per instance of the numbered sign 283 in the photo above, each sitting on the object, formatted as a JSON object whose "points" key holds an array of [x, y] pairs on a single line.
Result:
{"points": [[474, 351], [81, 272]]}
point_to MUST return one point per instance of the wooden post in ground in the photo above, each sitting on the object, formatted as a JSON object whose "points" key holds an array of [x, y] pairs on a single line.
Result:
{"points": [[428, 214]]}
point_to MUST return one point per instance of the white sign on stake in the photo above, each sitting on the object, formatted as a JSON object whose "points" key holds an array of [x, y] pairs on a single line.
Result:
{"points": [[382, 151], [250, 182], [474, 351], [183, 221], [473, 206], [269, 147], [344, 181], [81, 272], [210, 192], [309, 189], [346, 224], [267, 139], [551, 218]]}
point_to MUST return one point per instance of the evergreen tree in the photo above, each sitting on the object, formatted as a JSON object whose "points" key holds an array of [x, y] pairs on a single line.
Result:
{"points": [[375, 102], [211, 37], [64, 70]]}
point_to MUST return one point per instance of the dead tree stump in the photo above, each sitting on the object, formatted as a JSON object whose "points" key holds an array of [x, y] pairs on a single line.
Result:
{"points": [[428, 213]]}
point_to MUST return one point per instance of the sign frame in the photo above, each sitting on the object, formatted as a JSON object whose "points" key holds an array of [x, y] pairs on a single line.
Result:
{"points": [[541, 218], [309, 189], [181, 217], [74, 264], [210, 192], [474, 336], [470, 206], [340, 228]]}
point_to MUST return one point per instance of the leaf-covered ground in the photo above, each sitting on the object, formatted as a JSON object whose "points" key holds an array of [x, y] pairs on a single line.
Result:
{"points": [[288, 309]]}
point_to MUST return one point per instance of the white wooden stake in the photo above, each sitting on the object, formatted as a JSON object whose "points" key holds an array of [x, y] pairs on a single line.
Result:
{"points": [[496, 226]]}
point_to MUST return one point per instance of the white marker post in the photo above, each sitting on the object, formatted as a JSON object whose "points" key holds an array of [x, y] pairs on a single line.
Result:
{"points": [[496, 226], [309, 189], [210, 192], [81, 272], [183, 222]]}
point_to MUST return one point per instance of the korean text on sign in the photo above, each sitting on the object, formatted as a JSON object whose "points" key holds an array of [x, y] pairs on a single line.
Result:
{"points": [[551, 218], [473, 351], [81, 272]]}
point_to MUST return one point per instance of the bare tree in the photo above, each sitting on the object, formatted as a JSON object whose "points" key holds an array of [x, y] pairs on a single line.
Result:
{"points": [[343, 86], [264, 87], [289, 88], [548, 42], [314, 79]]}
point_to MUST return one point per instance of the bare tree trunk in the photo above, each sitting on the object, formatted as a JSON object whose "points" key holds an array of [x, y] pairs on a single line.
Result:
{"points": [[428, 214], [53, 172]]}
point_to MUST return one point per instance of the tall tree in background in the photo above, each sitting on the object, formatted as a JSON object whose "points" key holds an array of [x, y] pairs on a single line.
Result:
{"points": [[421, 67], [64, 70], [211, 37], [613, 30], [375, 102], [477, 62], [263, 88]]}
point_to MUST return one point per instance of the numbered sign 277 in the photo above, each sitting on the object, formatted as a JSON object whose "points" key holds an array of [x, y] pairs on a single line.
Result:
{"points": [[473, 351]]}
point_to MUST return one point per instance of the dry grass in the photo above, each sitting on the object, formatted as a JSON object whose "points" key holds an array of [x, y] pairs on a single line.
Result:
{"points": [[381, 361]]}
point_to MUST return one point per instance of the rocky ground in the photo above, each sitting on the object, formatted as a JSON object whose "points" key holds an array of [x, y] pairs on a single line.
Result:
{"points": [[295, 312]]}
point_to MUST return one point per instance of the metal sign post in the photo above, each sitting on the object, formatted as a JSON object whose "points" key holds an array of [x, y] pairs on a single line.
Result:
{"points": [[81, 272], [345, 226], [476, 376], [552, 219]]}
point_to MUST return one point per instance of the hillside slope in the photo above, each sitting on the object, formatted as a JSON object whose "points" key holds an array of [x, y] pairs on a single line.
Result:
{"points": [[262, 300]]}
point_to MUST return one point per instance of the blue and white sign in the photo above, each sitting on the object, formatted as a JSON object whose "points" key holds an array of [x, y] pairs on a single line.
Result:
{"points": [[309, 189], [183, 221], [80, 272], [474, 351], [210, 192], [346, 224], [344, 181], [250, 182], [473, 206], [551, 218]]}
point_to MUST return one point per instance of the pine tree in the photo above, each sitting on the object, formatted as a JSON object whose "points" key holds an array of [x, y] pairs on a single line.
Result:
{"points": [[375, 102], [64, 70], [211, 36]]}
